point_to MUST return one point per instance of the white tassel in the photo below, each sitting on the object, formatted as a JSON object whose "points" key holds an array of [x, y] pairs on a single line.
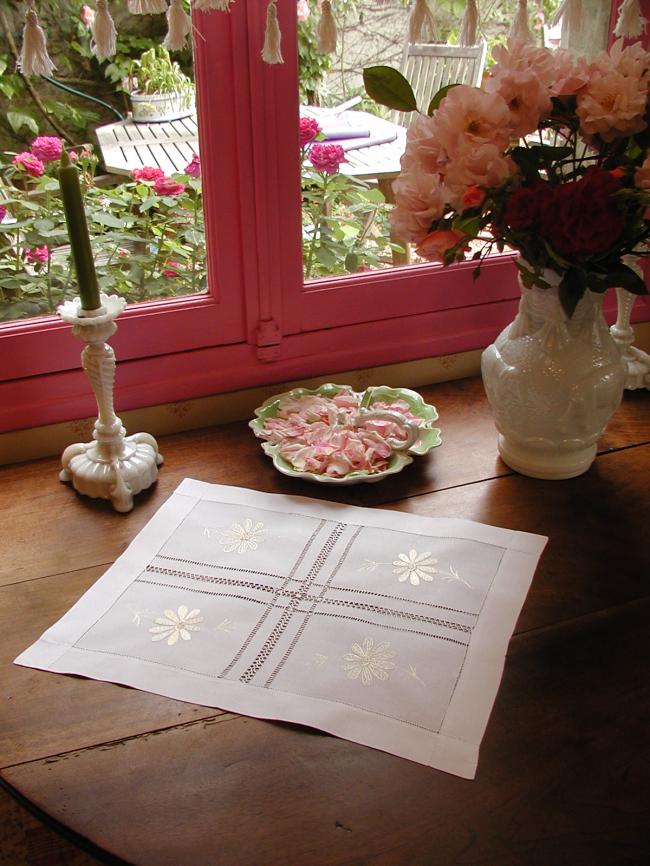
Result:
{"points": [[104, 42], [146, 7], [520, 31], [469, 24], [34, 59], [272, 53], [179, 26], [209, 5], [630, 21], [570, 11], [421, 17], [326, 30]]}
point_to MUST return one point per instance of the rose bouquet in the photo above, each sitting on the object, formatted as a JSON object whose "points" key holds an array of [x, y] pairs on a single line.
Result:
{"points": [[550, 157]]}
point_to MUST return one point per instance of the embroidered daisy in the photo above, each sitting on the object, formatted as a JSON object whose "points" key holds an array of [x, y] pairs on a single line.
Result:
{"points": [[415, 567], [369, 661], [243, 536], [172, 625]]}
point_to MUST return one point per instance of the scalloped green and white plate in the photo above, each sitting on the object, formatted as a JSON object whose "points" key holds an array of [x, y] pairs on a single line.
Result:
{"points": [[425, 415]]}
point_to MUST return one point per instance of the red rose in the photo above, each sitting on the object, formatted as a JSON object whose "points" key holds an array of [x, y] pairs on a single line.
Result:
{"points": [[582, 218], [525, 205]]}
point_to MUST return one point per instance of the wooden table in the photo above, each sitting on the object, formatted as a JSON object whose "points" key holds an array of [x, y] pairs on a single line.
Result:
{"points": [[126, 145], [563, 773]]}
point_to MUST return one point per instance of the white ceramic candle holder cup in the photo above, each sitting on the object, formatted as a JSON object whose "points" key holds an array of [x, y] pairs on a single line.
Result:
{"points": [[113, 466]]}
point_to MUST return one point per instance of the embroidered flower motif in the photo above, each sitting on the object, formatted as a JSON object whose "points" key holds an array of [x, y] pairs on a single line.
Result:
{"points": [[368, 661], [415, 567], [243, 536], [172, 625]]}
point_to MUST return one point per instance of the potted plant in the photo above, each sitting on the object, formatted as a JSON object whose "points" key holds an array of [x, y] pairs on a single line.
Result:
{"points": [[159, 89]]}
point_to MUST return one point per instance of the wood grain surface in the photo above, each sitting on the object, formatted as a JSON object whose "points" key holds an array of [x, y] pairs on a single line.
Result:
{"points": [[563, 771]]}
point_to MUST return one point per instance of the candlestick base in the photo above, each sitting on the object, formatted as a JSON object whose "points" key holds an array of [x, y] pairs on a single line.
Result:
{"points": [[117, 473], [114, 466]]}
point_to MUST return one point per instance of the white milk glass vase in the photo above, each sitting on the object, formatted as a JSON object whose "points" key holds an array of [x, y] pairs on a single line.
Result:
{"points": [[553, 382]]}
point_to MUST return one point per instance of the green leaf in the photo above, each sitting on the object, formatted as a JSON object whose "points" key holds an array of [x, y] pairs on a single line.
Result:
{"points": [[437, 99], [351, 262], [373, 195], [620, 277], [8, 88], [388, 87], [571, 289], [18, 119], [470, 225]]}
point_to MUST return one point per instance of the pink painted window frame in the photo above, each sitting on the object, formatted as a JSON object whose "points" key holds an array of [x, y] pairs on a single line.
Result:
{"points": [[259, 324]]}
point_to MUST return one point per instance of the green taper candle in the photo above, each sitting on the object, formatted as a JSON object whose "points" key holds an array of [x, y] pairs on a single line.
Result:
{"points": [[75, 217]]}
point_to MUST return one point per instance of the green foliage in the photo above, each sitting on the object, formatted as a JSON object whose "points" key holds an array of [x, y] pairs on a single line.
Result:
{"points": [[388, 87], [146, 246], [344, 225], [312, 65], [156, 72]]}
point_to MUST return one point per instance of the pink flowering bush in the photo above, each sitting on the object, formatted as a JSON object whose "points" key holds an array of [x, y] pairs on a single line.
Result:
{"points": [[168, 186], [47, 148], [337, 210], [147, 173], [147, 232], [308, 130], [550, 156], [27, 162], [38, 255], [326, 157], [193, 168]]}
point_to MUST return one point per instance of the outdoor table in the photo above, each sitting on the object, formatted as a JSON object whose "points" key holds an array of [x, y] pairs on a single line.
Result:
{"points": [[562, 775], [126, 145]]}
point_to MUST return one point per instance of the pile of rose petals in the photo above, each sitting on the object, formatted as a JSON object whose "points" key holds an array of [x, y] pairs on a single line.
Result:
{"points": [[326, 435]]}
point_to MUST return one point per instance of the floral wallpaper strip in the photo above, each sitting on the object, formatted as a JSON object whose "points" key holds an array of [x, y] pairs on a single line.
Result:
{"points": [[387, 629]]}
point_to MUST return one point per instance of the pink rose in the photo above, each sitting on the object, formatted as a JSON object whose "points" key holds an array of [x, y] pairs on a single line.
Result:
{"points": [[302, 10], [420, 201], [193, 168], [3, 212], [37, 255], [469, 117], [473, 197], [168, 186], [438, 244], [47, 148], [483, 166], [527, 98], [309, 129], [326, 157], [613, 102], [26, 161], [171, 269], [147, 173], [74, 156]]}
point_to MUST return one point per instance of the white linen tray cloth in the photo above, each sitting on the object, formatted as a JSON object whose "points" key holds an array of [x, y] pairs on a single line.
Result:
{"points": [[380, 627]]}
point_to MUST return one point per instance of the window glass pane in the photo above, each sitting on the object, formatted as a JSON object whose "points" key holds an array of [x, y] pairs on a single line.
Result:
{"points": [[345, 214], [140, 176]]}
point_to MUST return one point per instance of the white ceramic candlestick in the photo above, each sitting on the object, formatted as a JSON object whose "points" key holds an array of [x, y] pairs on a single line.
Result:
{"points": [[114, 466], [637, 362]]}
